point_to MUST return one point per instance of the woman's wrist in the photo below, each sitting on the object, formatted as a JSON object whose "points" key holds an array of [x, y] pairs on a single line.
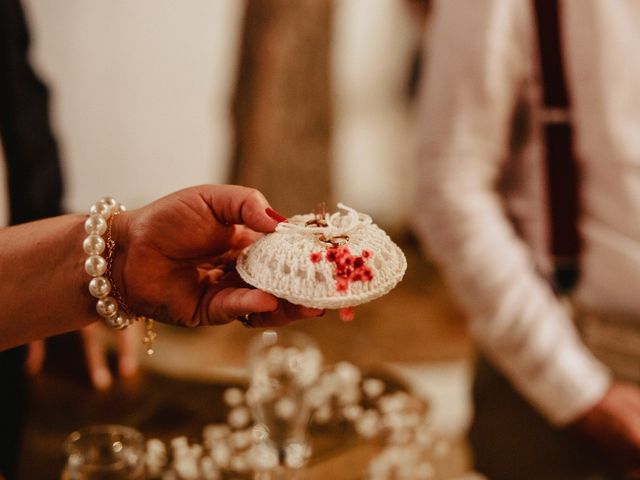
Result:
{"points": [[107, 245], [100, 248], [120, 237]]}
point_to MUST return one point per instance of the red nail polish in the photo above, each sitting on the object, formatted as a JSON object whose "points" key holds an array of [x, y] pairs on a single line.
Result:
{"points": [[275, 215]]}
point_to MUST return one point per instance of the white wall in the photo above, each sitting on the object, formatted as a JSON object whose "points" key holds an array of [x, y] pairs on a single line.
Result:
{"points": [[141, 92], [374, 42]]}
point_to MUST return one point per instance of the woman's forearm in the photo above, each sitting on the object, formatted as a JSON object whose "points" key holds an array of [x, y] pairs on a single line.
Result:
{"points": [[43, 285], [161, 252]]}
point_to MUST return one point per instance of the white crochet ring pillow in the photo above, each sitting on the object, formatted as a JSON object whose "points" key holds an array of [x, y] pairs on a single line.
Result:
{"points": [[324, 261]]}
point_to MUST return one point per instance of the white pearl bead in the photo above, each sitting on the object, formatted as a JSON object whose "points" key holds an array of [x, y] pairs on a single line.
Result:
{"points": [[95, 224], [110, 201], [118, 321], [93, 245], [100, 208], [107, 306], [99, 287], [95, 265], [122, 208]]}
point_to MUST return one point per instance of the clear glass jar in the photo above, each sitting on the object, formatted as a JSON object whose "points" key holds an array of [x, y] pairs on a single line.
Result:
{"points": [[283, 365], [104, 452]]}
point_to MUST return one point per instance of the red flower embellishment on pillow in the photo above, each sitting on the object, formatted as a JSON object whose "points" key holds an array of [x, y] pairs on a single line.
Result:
{"points": [[348, 267]]}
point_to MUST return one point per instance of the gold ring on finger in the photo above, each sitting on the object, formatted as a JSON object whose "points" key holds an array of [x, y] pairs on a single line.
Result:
{"points": [[245, 320]]}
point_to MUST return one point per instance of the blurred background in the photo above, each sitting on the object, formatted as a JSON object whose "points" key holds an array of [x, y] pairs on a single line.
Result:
{"points": [[151, 96], [308, 101]]}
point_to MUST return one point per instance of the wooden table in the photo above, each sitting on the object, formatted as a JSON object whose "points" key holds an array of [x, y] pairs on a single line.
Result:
{"points": [[61, 400]]}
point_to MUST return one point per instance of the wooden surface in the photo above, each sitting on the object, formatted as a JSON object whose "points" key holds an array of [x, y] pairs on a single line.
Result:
{"points": [[164, 408]]}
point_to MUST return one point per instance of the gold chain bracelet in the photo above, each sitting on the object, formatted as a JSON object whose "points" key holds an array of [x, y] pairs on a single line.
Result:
{"points": [[111, 305]]}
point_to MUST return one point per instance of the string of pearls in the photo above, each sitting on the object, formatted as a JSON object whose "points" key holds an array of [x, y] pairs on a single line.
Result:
{"points": [[97, 265], [110, 306]]}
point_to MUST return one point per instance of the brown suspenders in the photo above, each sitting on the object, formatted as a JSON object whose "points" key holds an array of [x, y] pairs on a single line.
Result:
{"points": [[561, 166]]}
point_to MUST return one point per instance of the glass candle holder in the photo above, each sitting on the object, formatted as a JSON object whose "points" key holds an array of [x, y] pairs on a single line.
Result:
{"points": [[104, 452], [283, 365]]}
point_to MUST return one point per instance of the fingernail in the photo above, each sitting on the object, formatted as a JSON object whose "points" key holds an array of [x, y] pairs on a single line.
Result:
{"points": [[275, 215]]}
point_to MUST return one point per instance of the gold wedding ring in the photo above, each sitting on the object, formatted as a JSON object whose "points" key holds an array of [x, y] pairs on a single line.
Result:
{"points": [[245, 320]]}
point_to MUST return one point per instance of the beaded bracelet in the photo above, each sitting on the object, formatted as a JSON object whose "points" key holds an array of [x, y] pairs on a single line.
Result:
{"points": [[111, 305]]}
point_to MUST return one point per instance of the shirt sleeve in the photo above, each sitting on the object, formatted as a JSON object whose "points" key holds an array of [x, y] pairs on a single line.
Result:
{"points": [[475, 69]]}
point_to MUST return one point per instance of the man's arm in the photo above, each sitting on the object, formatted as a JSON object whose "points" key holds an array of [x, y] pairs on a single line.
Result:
{"points": [[476, 66]]}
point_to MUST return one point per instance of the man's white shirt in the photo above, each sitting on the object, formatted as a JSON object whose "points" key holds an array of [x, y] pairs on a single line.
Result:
{"points": [[482, 202]]}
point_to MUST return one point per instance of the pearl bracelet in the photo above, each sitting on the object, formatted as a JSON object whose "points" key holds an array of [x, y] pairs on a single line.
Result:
{"points": [[110, 306]]}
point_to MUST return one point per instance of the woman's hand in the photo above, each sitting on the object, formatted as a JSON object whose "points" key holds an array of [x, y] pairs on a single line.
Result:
{"points": [[175, 258]]}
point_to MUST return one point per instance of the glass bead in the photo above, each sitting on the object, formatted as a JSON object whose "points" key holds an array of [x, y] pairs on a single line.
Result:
{"points": [[100, 208], [296, 454], [352, 412], [264, 457], [286, 408], [99, 287], [95, 265], [180, 443], [239, 417], [95, 224], [348, 373], [209, 469], [221, 454], [107, 307], [241, 440], [214, 433], [93, 245], [260, 432], [233, 397], [239, 464], [368, 425], [373, 387]]}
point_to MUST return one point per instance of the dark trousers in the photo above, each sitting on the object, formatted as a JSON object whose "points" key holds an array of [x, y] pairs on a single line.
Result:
{"points": [[511, 441], [34, 182], [13, 404]]}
